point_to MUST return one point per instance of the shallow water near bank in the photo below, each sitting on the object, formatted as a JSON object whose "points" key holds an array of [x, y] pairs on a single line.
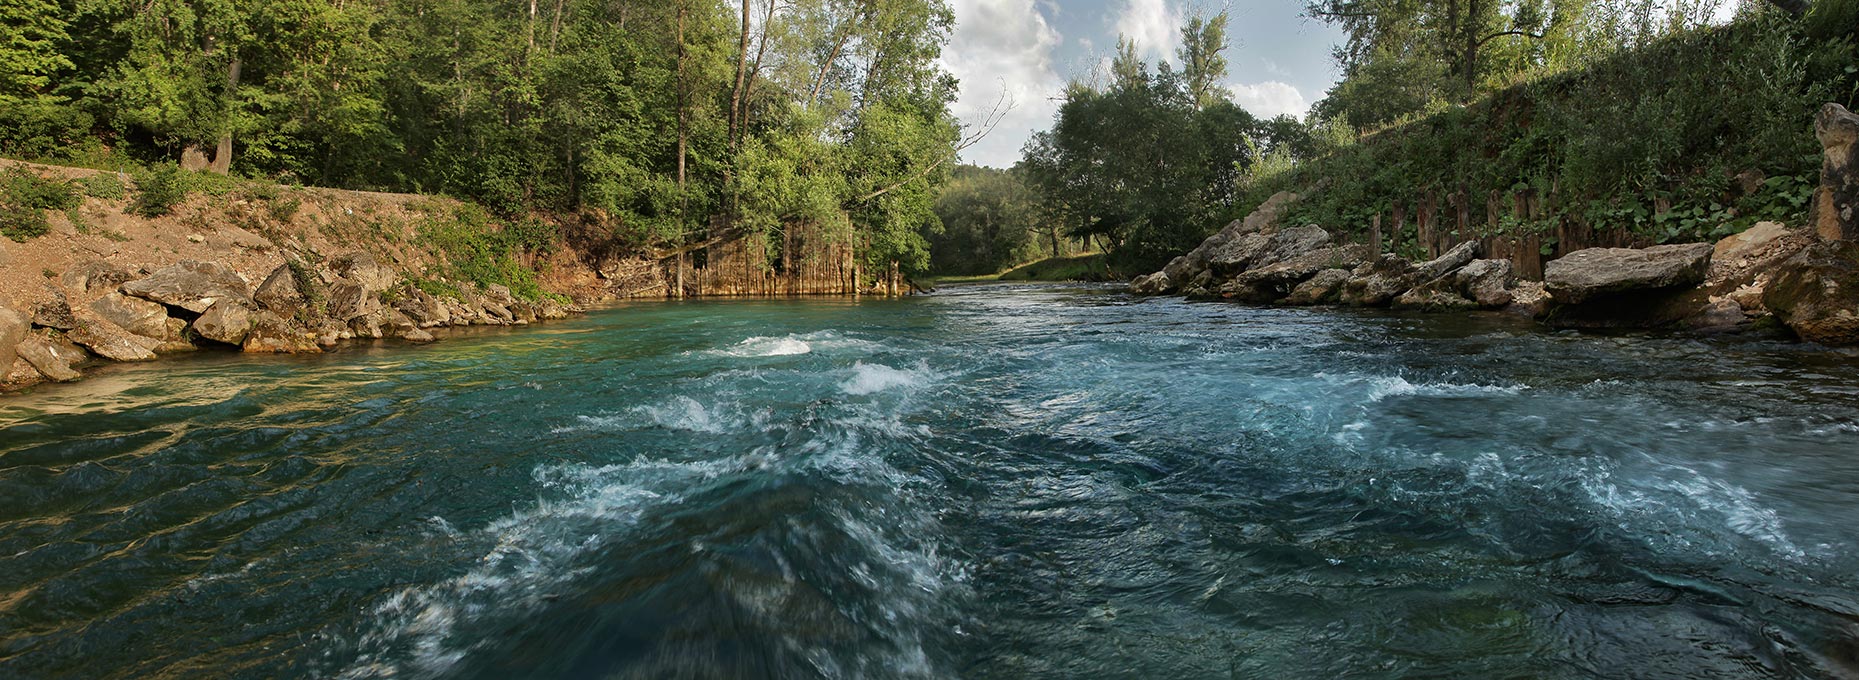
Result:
{"points": [[998, 481]]}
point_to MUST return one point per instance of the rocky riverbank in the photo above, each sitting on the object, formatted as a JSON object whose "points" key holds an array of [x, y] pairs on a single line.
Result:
{"points": [[1767, 275], [259, 269], [1805, 279]]}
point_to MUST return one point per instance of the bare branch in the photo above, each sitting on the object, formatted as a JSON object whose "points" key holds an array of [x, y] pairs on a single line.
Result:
{"points": [[1002, 105]]}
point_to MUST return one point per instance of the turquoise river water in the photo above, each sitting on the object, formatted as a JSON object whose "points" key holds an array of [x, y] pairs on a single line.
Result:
{"points": [[992, 482]]}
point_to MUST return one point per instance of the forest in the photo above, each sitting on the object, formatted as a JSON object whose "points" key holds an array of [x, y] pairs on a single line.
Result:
{"points": [[1642, 117], [657, 119]]}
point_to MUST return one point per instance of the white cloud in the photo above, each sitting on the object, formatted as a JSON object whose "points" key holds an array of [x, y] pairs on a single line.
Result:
{"points": [[1003, 46], [1269, 99], [1153, 25]]}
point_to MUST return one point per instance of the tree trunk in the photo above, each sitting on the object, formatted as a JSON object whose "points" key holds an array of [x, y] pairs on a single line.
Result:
{"points": [[742, 73], [684, 108], [222, 157]]}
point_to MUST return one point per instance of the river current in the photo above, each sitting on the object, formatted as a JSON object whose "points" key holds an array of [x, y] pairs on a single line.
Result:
{"points": [[992, 482]]}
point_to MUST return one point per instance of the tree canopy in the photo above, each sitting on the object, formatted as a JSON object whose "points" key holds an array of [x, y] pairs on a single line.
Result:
{"points": [[663, 118]]}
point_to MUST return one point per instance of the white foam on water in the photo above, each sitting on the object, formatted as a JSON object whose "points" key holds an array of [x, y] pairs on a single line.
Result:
{"points": [[415, 631], [685, 413], [1687, 501], [1384, 387], [768, 347], [873, 378], [681, 413]]}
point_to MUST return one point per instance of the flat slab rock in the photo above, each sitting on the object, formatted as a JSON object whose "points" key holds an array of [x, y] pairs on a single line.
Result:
{"points": [[1585, 274], [190, 285]]}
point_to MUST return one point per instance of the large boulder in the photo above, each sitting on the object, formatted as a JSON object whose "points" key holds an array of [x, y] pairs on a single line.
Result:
{"points": [[350, 300], [1237, 254], [136, 315], [227, 321], [13, 328], [54, 312], [1596, 272], [1320, 288], [280, 293], [1379, 282], [95, 276], [1836, 203], [1290, 271], [191, 285], [425, 309], [363, 269], [499, 294], [1263, 221], [1158, 283], [1486, 282], [1437, 295], [1816, 293], [52, 357], [110, 341], [273, 334], [1454, 258]]}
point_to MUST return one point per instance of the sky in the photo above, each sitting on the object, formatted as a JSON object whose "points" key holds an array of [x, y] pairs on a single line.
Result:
{"points": [[1277, 60]]}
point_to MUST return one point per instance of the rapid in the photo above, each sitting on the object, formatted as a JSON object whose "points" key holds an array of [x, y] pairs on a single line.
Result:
{"points": [[996, 481]]}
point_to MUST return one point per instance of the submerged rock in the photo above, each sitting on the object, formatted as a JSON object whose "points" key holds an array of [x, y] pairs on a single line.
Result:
{"points": [[191, 285], [1816, 293], [1586, 274]]}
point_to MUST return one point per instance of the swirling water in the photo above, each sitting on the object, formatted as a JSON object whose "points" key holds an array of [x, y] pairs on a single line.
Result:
{"points": [[995, 482]]}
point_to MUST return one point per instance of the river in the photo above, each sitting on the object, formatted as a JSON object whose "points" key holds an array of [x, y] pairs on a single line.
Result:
{"points": [[996, 481]]}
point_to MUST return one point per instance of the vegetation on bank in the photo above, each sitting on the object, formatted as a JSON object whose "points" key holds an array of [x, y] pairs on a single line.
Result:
{"points": [[1689, 137], [657, 121], [1092, 267], [1634, 115]]}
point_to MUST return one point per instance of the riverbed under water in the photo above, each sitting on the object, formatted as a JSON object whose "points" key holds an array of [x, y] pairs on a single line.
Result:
{"points": [[993, 482]]}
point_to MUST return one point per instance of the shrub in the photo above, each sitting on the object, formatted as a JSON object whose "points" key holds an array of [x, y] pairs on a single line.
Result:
{"points": [[159, 190], [103, 185], [20, 223], [24, 198], [284, 210]]}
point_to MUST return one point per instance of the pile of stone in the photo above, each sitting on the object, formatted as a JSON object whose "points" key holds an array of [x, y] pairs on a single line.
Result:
{"points": [[1253, 260], [103, 311], [1808, 284]]}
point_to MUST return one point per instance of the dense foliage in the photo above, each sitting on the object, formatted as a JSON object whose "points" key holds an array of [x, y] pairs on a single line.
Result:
{"points": [[1690, 135], [991, 220], [1627, 115], [658, 118], [1141, 163]]}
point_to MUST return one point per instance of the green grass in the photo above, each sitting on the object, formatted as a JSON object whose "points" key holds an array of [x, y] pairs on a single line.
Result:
{"points": [[1076, 268], [974, 278]]}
